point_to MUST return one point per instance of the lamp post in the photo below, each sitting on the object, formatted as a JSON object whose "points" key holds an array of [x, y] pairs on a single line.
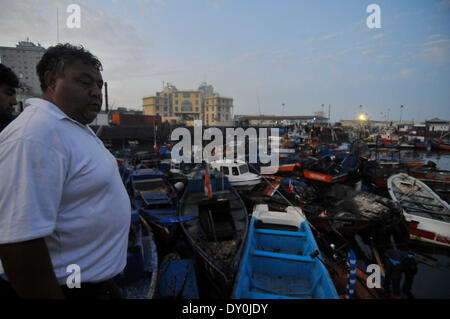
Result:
{"points": [[401, 109]]}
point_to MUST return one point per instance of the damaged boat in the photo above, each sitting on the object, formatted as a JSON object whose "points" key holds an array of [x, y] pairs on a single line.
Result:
{"points": [[427, 214], [217, 227]]}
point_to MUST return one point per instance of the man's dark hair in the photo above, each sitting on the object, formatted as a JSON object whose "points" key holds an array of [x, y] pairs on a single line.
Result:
{"points": [[56, 58], [8, 77]]}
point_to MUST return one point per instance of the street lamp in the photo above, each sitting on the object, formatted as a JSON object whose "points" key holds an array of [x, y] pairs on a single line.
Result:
{"points": [[401, 109]]}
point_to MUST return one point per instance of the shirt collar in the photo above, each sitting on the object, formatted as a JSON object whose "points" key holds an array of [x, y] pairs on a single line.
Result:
{"points": [[56, 112]]}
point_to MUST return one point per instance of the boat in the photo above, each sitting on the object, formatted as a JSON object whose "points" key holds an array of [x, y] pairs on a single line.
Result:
{"points": [[325, 169], [405, 145], [157, 199], [427, 214], [440, 145], [376, 172], [350, 211], [430, 173], [237, 172], [217, 227], [152, 192], [422, 145], [177, 278], [281, 259], [138, 280]]}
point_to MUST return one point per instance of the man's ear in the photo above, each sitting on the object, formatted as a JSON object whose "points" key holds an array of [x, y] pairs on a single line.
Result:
{"points": [[50, 80]]}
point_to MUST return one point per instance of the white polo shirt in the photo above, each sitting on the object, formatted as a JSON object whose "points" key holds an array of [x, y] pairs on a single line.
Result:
{"points": [[58, 181]]}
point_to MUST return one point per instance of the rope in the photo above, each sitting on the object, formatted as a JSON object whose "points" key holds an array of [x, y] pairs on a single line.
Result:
{"points": [[351, 261]]}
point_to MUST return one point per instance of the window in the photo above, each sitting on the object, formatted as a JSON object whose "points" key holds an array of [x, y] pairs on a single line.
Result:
{"points": [[186, 106], [196, 102], [243, 169], [225, 170], [235, 171], [176, 101], [196, 109], [186, 94]]}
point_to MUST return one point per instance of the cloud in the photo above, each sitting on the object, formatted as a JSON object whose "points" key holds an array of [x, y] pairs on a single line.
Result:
{"points": [[378, 36], [368, 52], [406, 73], [436, 36], [215, 4], [325, 37], [436, 51], [444, 5]]}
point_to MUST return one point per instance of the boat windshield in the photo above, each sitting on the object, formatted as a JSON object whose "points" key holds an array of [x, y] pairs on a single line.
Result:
{"points": [[150, 185], [243, 169]]}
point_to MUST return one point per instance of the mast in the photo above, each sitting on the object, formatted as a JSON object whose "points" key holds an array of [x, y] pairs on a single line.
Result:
{"points": [[57, 25]]}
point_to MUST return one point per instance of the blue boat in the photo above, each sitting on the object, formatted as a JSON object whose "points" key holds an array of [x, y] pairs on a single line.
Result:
{"points": [[281, 259], [157, 201], [139, 278], [178, 280]]}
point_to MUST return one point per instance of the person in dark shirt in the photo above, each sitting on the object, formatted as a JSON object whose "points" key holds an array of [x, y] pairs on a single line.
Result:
{"points": [[398, 263], [8, 85]]}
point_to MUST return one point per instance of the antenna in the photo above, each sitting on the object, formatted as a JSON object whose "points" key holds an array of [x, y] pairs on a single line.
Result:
{"points": [[57, 25], [259, 106]]}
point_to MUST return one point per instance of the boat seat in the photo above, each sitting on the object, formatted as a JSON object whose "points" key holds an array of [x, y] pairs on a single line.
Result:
{"points": [[280, 232], [271, 254], [292, 217]]}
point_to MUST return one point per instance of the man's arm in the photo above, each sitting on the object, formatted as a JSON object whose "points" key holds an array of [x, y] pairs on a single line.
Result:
{"points": [[29, 269]]}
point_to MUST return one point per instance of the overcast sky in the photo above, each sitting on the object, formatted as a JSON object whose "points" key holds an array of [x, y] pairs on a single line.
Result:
{"points": [[261, 53]]}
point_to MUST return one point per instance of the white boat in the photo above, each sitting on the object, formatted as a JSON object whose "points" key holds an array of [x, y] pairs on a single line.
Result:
{"points": [[427, 214], [237, 173]]}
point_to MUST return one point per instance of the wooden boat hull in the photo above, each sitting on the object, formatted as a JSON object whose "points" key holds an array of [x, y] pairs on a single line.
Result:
{"points": [[440, 146], [426, 230], [217, 233], [139, 278], [430, 175], [432, 226], [321, 177]]}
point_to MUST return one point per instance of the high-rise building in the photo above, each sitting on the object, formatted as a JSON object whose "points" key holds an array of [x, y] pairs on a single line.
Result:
{"points": [[23, 60], [186, 106]]}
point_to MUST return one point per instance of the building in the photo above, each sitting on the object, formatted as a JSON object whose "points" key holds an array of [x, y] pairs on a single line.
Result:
{"points": [[23, 60], [184, 107], [437, 125], [276, 120], [217, 110]]}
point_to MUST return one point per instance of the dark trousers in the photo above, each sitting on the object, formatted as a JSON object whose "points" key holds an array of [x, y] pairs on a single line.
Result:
{"points": [[393, 275], [407, 284], [102, 290]]}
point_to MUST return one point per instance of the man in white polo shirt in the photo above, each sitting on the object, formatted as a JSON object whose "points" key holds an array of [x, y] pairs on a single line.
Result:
{"points": [[63, 205]]}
